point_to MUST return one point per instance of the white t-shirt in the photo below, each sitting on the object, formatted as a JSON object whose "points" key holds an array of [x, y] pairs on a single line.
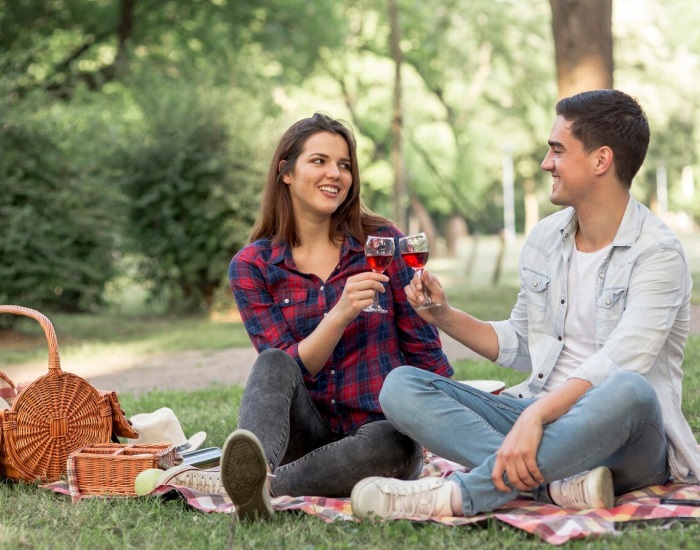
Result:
{"points": [[579, 323]]}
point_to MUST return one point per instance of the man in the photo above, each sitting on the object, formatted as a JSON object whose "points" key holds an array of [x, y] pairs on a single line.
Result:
{"points": [[600, 323]]}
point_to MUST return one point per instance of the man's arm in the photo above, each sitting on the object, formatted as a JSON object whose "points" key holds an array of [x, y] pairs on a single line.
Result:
{"points": [[517, 456], [475, 334]]}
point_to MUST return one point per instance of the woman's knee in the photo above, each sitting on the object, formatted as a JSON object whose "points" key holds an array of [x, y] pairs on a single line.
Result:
{"points": [[275, 364]]}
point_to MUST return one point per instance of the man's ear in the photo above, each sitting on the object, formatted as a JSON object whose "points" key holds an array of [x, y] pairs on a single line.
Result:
{"points": [[604, 160]]}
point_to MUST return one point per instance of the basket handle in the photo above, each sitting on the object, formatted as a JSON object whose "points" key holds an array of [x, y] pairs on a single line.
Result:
{"points": [[54, 359], [7, 379]]}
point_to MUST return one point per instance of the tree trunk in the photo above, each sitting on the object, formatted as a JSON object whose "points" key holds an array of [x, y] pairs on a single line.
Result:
{"points": [[425, 222], [583, 45], [397, 118], [126, 24]]}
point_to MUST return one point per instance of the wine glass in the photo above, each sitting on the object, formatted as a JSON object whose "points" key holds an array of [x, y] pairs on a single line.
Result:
{"points": [[415, 251], [379, 252]]}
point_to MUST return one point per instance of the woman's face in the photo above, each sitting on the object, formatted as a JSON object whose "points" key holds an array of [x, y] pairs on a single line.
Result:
{"points": [[321, 178]]}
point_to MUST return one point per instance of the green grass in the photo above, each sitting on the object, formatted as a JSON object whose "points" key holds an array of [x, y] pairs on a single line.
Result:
{"points": [[81, 334], [31, 517]]}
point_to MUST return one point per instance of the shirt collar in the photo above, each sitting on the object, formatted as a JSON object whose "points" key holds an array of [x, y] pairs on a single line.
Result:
{"points": [[281, 251], [627, 233]]}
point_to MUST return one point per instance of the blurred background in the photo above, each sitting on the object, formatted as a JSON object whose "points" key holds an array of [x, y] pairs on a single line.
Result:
{"points": [[135, 134]]}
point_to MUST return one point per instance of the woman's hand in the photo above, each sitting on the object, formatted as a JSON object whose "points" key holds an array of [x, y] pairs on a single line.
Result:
{"points": [[358, 294]]}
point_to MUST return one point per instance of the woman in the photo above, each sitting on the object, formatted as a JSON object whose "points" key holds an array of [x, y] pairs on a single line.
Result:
{"points": [[310, 422]]}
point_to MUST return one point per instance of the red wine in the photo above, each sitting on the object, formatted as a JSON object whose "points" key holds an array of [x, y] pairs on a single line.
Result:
{"points": [[416, 260], [379, 263]]}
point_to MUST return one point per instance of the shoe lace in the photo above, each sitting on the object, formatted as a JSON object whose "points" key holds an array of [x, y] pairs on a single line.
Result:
{"points": [[204, 482], [574, 491], [419, 502]]}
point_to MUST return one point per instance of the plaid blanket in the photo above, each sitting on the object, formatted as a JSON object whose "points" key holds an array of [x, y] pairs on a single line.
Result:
{"points": [[551, 523]]}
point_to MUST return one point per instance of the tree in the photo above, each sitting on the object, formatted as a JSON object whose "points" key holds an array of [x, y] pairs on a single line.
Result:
{"points": [[191, 185], [583, 45], [56, 244]]}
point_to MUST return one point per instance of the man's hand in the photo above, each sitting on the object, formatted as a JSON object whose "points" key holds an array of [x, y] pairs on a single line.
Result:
{"points": [[414, 293], [517, 455]]}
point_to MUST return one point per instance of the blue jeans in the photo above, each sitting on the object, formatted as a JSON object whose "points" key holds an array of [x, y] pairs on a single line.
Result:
{"points": [[306, 457], [617, 424]]}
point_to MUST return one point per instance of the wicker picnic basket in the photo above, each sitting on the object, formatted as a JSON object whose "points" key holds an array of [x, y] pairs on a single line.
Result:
{"points": [[52, 416], [111, 468]]}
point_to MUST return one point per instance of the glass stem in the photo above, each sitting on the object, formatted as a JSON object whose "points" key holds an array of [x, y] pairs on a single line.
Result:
{"points": [[426, 295]]}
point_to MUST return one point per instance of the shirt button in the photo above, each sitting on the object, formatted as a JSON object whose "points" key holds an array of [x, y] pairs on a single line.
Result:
{"points": [[540, 375], [325, 313], [563, 301], [332, 401], [535, 284], [286, 300], [332, 372], [321, 288], [559, 338], [601, 275], [607, 302], [520, 395]]}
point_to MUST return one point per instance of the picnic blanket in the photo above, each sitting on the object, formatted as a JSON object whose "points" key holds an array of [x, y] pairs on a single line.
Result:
{"points": [[551, 523]]}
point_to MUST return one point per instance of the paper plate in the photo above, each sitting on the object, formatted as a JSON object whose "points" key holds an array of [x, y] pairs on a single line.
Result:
{"points": [[491, 386]]}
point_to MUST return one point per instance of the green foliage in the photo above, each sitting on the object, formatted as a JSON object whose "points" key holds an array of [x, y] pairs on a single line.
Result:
{"points": [[55, 246], [190, 184]]}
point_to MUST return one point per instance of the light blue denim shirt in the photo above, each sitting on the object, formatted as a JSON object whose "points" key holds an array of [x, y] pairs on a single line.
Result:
{"points": [[642, 322]]}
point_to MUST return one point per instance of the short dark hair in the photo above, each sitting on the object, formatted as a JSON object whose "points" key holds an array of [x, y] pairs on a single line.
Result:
{"points": [[609, 118]]}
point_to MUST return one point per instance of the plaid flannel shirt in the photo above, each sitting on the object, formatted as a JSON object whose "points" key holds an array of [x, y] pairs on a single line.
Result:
{"points": [[281, 306]]}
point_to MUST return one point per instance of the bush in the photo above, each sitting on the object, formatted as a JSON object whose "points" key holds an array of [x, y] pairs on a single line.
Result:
{"points": [[56, 243], [192, 192]]}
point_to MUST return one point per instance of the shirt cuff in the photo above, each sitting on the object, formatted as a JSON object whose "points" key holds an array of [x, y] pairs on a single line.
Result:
{"points": [[508, 342]]}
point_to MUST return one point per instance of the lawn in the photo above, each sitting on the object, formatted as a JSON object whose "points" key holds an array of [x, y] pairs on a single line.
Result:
{"points": [[31, 517]]}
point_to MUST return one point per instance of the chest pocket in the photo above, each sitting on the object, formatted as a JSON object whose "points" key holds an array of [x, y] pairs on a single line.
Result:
{"points": [[294, 308], [611, 305], [536, 286]]}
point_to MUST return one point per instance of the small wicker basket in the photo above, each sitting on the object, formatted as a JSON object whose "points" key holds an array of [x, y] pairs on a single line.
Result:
{"points": [[51, 417], [111, 468]]}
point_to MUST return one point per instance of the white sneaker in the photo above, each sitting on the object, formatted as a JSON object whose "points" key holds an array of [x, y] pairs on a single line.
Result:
{"points": [[590, 489], [193, 478], [388, 498], [244, 475]]}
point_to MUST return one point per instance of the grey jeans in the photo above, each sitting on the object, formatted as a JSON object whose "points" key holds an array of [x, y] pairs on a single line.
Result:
{"points": [[306, 457]]}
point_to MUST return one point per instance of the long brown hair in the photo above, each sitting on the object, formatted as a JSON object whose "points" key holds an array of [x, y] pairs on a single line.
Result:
{"points": [[276, 219]]}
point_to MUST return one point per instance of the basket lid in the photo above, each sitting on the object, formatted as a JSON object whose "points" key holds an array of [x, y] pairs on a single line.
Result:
{"points": [[54, 415]]}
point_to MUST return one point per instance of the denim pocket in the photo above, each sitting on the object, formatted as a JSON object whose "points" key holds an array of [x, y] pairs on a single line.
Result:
{"points": [[611, 305], [535, 285]]}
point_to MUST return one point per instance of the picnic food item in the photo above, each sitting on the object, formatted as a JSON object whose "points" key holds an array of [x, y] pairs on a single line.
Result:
{"points": [[52, 416], [146, 481]]}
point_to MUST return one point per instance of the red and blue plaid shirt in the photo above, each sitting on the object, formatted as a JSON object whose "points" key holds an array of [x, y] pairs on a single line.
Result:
{"points": [[281, 306]]}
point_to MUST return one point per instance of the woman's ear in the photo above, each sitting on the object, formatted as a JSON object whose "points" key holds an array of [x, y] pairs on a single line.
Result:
{"points": [[285, 177]]}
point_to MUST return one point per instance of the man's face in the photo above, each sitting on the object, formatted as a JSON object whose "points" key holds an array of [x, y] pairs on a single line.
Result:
{"points": [[571, 167]]}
